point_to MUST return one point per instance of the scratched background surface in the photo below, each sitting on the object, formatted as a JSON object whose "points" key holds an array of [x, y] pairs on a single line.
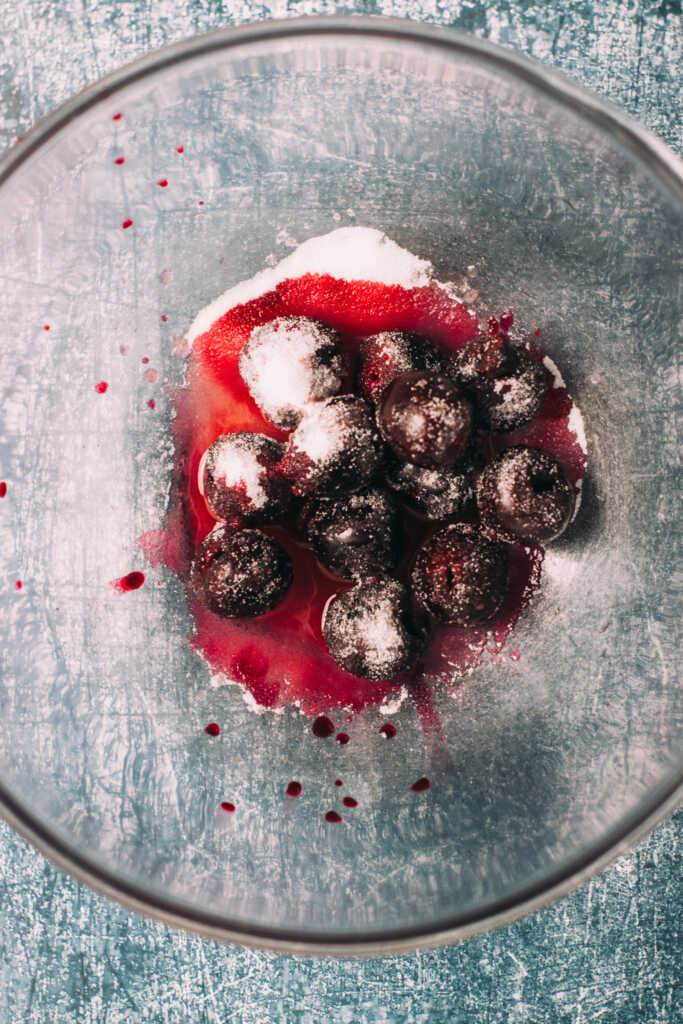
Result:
{"points": [[608, 952]]}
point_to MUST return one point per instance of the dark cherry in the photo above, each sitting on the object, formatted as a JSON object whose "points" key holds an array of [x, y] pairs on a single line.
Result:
{"points": [[459, 576], [433, 493], [369, 630], [356, 536], [382, 357], [239, 478], [425, 419], [289, 362], [523, 495], [336, 448], [240, 573], [507, 382]]}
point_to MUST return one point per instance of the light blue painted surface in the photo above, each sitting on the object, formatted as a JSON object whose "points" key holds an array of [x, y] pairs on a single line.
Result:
{"points": [[607, 952]]}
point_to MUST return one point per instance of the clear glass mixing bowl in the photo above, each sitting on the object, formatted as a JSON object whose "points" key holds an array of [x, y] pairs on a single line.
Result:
{"points": [[466, 154]]}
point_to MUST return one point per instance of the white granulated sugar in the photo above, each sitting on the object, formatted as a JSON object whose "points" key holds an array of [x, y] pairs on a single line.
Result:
{"points": [[507, 476], [236, 465], [392, 702], [349, 254], [575, 422], [577, 427], [558, 380], [381, 634], [281, 374], [319, 434]]}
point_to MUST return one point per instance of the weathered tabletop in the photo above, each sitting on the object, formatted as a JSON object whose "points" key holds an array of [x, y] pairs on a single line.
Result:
{"points": [[609, 952]]}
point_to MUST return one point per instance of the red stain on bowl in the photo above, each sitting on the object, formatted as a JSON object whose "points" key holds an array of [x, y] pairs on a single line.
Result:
{"points": [[133, 581]]}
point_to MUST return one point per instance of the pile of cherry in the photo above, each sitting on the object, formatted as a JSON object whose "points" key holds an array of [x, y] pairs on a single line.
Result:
{"points": [[410, 435]]}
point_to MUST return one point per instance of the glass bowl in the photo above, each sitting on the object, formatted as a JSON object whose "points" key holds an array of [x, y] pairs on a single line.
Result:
{"points": [[473, 157]]}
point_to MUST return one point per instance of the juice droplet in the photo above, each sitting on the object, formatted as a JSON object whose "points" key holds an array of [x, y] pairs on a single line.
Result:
{"points": [[213, 729], [101, 387], [338, 782], [18, 585], [164, 318], [421, 785], [163, 183], [128, 223], [507, 319], [322, 727], [117, 117], [228, 806], [3, 489], [180, 149], [388, 731], [333, 817], [152, 404], [343, 738], [515, 655], [348, 801], [46, 327], [120, 160], [294, 788], [133, 581]]}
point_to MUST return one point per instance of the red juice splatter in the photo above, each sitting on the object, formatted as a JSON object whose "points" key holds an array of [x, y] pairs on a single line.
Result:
{"points": [[3, 488], [338, 782], [294, 788], [164, 318], [333, 817], [133, 581], [125, 350], [117, 117], [152, 403], [343, 738], [162, 183], [18, 585], [507, 319], [348, 801], [537, 332], [180, 149], [46, 327], [128, 223], [228, 806], [388, 731], [101, 387], [212, 729], [200, 203], [322, 727], [421, 786], [145, 359], [515, 655], [120, 160], [151, 375]]}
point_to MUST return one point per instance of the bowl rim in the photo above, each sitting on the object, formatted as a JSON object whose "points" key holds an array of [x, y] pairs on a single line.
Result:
{"points": [[664, 165]]}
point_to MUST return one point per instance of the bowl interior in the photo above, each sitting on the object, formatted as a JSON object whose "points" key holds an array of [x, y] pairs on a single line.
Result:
{"points": [[466, 162]]}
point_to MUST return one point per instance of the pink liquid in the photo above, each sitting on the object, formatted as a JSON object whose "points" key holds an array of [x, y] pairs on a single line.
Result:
{"points": [[281, 658]]}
